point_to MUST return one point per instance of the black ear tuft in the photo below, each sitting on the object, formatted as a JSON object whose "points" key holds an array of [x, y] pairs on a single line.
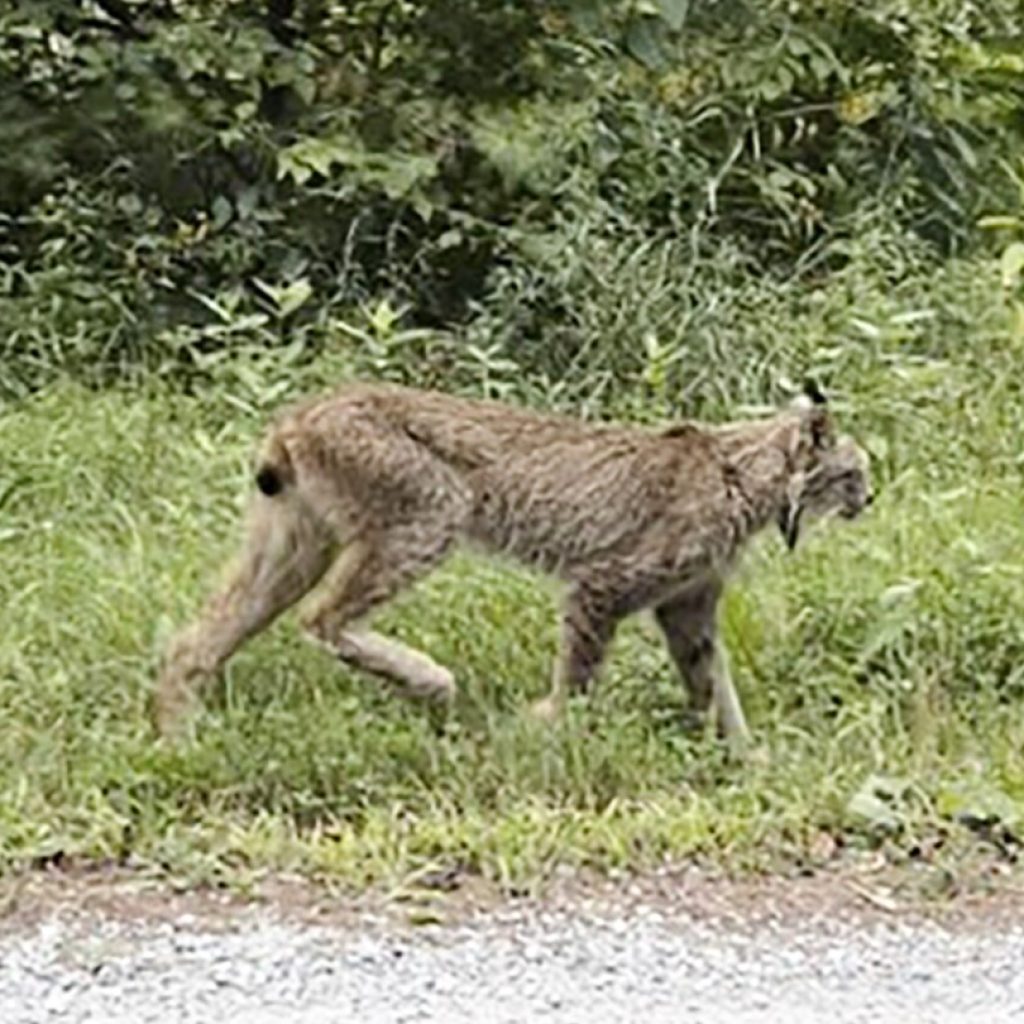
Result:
{"points": [[814, 392]]}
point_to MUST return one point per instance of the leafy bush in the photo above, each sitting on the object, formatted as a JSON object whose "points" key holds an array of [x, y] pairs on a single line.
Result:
{"points": [[489, 169]]}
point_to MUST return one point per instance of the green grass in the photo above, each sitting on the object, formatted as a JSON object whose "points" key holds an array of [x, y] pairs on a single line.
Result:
{"points": [[890, 648]]}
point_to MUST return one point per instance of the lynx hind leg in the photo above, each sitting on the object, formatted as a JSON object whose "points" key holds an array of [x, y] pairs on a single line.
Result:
{"points": [[285, 551], [689, 624], [415, 673], [368, 573]]}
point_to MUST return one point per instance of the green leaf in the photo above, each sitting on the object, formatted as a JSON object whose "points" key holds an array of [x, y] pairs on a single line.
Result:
{"points": [[673, 12], [305, 87], [315, 156], [286, 299], [450, 239], [290, 167], [999, 221], [130, 204], [979, 800], [422, 205], [1012, 264], [382, 318], [644, 42], [585, 15], [398, 175], [289, 299], [222, 211], [879, 803], [419, 917]]}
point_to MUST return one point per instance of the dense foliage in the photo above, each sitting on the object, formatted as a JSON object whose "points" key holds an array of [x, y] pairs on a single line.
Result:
{"points": [[488, 191]]}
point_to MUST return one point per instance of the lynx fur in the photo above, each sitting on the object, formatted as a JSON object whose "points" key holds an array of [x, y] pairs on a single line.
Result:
{"points": [[362, 492]]}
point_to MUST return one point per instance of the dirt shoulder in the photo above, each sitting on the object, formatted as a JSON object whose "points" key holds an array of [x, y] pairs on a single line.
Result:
{"points": [[868, 892]]}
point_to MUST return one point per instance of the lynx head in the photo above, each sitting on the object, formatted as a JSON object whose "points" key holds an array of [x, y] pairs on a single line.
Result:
{"points": [[830, 473]]}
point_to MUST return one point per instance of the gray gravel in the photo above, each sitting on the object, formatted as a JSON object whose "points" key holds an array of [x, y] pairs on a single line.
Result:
{"points": [[644, 964]]}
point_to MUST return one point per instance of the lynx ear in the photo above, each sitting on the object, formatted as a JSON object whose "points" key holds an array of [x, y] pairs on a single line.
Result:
{"points": [[819, 424], [815, 420]]}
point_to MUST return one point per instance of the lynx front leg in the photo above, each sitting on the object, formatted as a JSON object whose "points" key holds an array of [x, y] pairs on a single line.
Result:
{"points": [[691, 634], [588, 624], [725, 701]]}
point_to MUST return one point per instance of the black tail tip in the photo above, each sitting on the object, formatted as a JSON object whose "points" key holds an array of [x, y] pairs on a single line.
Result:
{"points": [[268, 481]]}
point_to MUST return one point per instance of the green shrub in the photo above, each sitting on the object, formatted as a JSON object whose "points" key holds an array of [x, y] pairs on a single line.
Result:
{"points": [[173, 173]]}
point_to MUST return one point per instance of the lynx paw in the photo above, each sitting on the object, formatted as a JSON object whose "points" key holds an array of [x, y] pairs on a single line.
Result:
{"points": [[548, 709], [741, 748]]}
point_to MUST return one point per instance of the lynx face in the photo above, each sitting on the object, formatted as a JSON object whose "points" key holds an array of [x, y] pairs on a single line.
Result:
{"points": [[838, 483]]}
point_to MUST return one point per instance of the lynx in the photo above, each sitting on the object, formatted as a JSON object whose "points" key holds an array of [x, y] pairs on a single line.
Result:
{"points": [[366, 490]]}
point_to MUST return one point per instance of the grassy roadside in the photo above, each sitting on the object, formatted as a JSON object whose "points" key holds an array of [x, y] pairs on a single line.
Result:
{"points": [[890, 650]]}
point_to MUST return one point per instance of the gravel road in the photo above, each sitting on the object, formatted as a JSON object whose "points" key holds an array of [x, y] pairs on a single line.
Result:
{"points": [[590, 962]]}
